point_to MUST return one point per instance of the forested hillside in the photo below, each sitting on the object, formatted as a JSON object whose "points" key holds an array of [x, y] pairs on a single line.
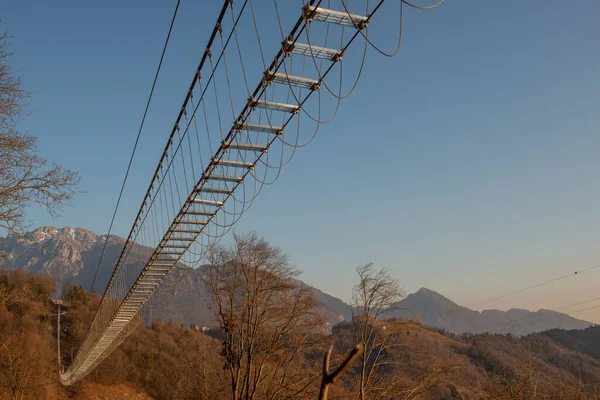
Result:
{"points": [[171, 361]]}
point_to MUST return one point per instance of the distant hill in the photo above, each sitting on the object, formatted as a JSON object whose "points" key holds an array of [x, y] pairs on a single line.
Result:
{"points": [[191, 299], [583, 340], [433, 309], [71, 255]]}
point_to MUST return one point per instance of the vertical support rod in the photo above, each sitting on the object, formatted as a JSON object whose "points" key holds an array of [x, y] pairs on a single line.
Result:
{"points": [[58, 338]]}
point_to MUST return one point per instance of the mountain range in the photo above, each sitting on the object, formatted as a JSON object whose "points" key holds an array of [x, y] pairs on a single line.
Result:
{"points": [[70, 255], [433, 309]]}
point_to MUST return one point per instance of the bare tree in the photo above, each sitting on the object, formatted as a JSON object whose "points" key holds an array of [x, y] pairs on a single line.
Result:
{"points": [[27, 354], [267, 320], [375, 293], [522, 379], [25, 177], [23, 357], [206, 381], [432, 374]]}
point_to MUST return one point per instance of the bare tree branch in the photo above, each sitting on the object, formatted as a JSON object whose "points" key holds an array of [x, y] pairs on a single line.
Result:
{"points": [[329, 378], [25, 177], [375, 293]]}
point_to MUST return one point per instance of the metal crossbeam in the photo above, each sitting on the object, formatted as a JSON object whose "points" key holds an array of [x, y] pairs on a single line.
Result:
{"points": [[207, 202], [312, 13], [245, 146], [233, 163], [274, 106], [224, 178], [303, 49], [277, 130], [285, 79]]}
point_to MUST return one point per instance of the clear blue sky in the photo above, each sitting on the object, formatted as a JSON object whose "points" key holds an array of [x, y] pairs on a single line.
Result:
{"points": [[468, 163]]}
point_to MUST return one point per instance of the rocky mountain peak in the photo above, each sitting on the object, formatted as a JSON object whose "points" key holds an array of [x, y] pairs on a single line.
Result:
{"points": [[47, 250]]}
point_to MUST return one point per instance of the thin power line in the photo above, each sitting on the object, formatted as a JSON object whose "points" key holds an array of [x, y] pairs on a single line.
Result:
{"points": [[136, 144], [571, 313], [526, 288], [531, 317]]}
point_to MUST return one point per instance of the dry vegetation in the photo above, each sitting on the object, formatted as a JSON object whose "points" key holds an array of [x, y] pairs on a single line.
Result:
{"points": [[266, 348]]}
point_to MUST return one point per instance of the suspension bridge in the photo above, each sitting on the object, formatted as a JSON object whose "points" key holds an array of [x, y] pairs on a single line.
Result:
{"points": [[218, 157]]}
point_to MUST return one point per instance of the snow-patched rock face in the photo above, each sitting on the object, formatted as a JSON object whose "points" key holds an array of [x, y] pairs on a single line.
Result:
{"points": [[66, 254], [70, 232], [39, 236], [48, 250]]}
